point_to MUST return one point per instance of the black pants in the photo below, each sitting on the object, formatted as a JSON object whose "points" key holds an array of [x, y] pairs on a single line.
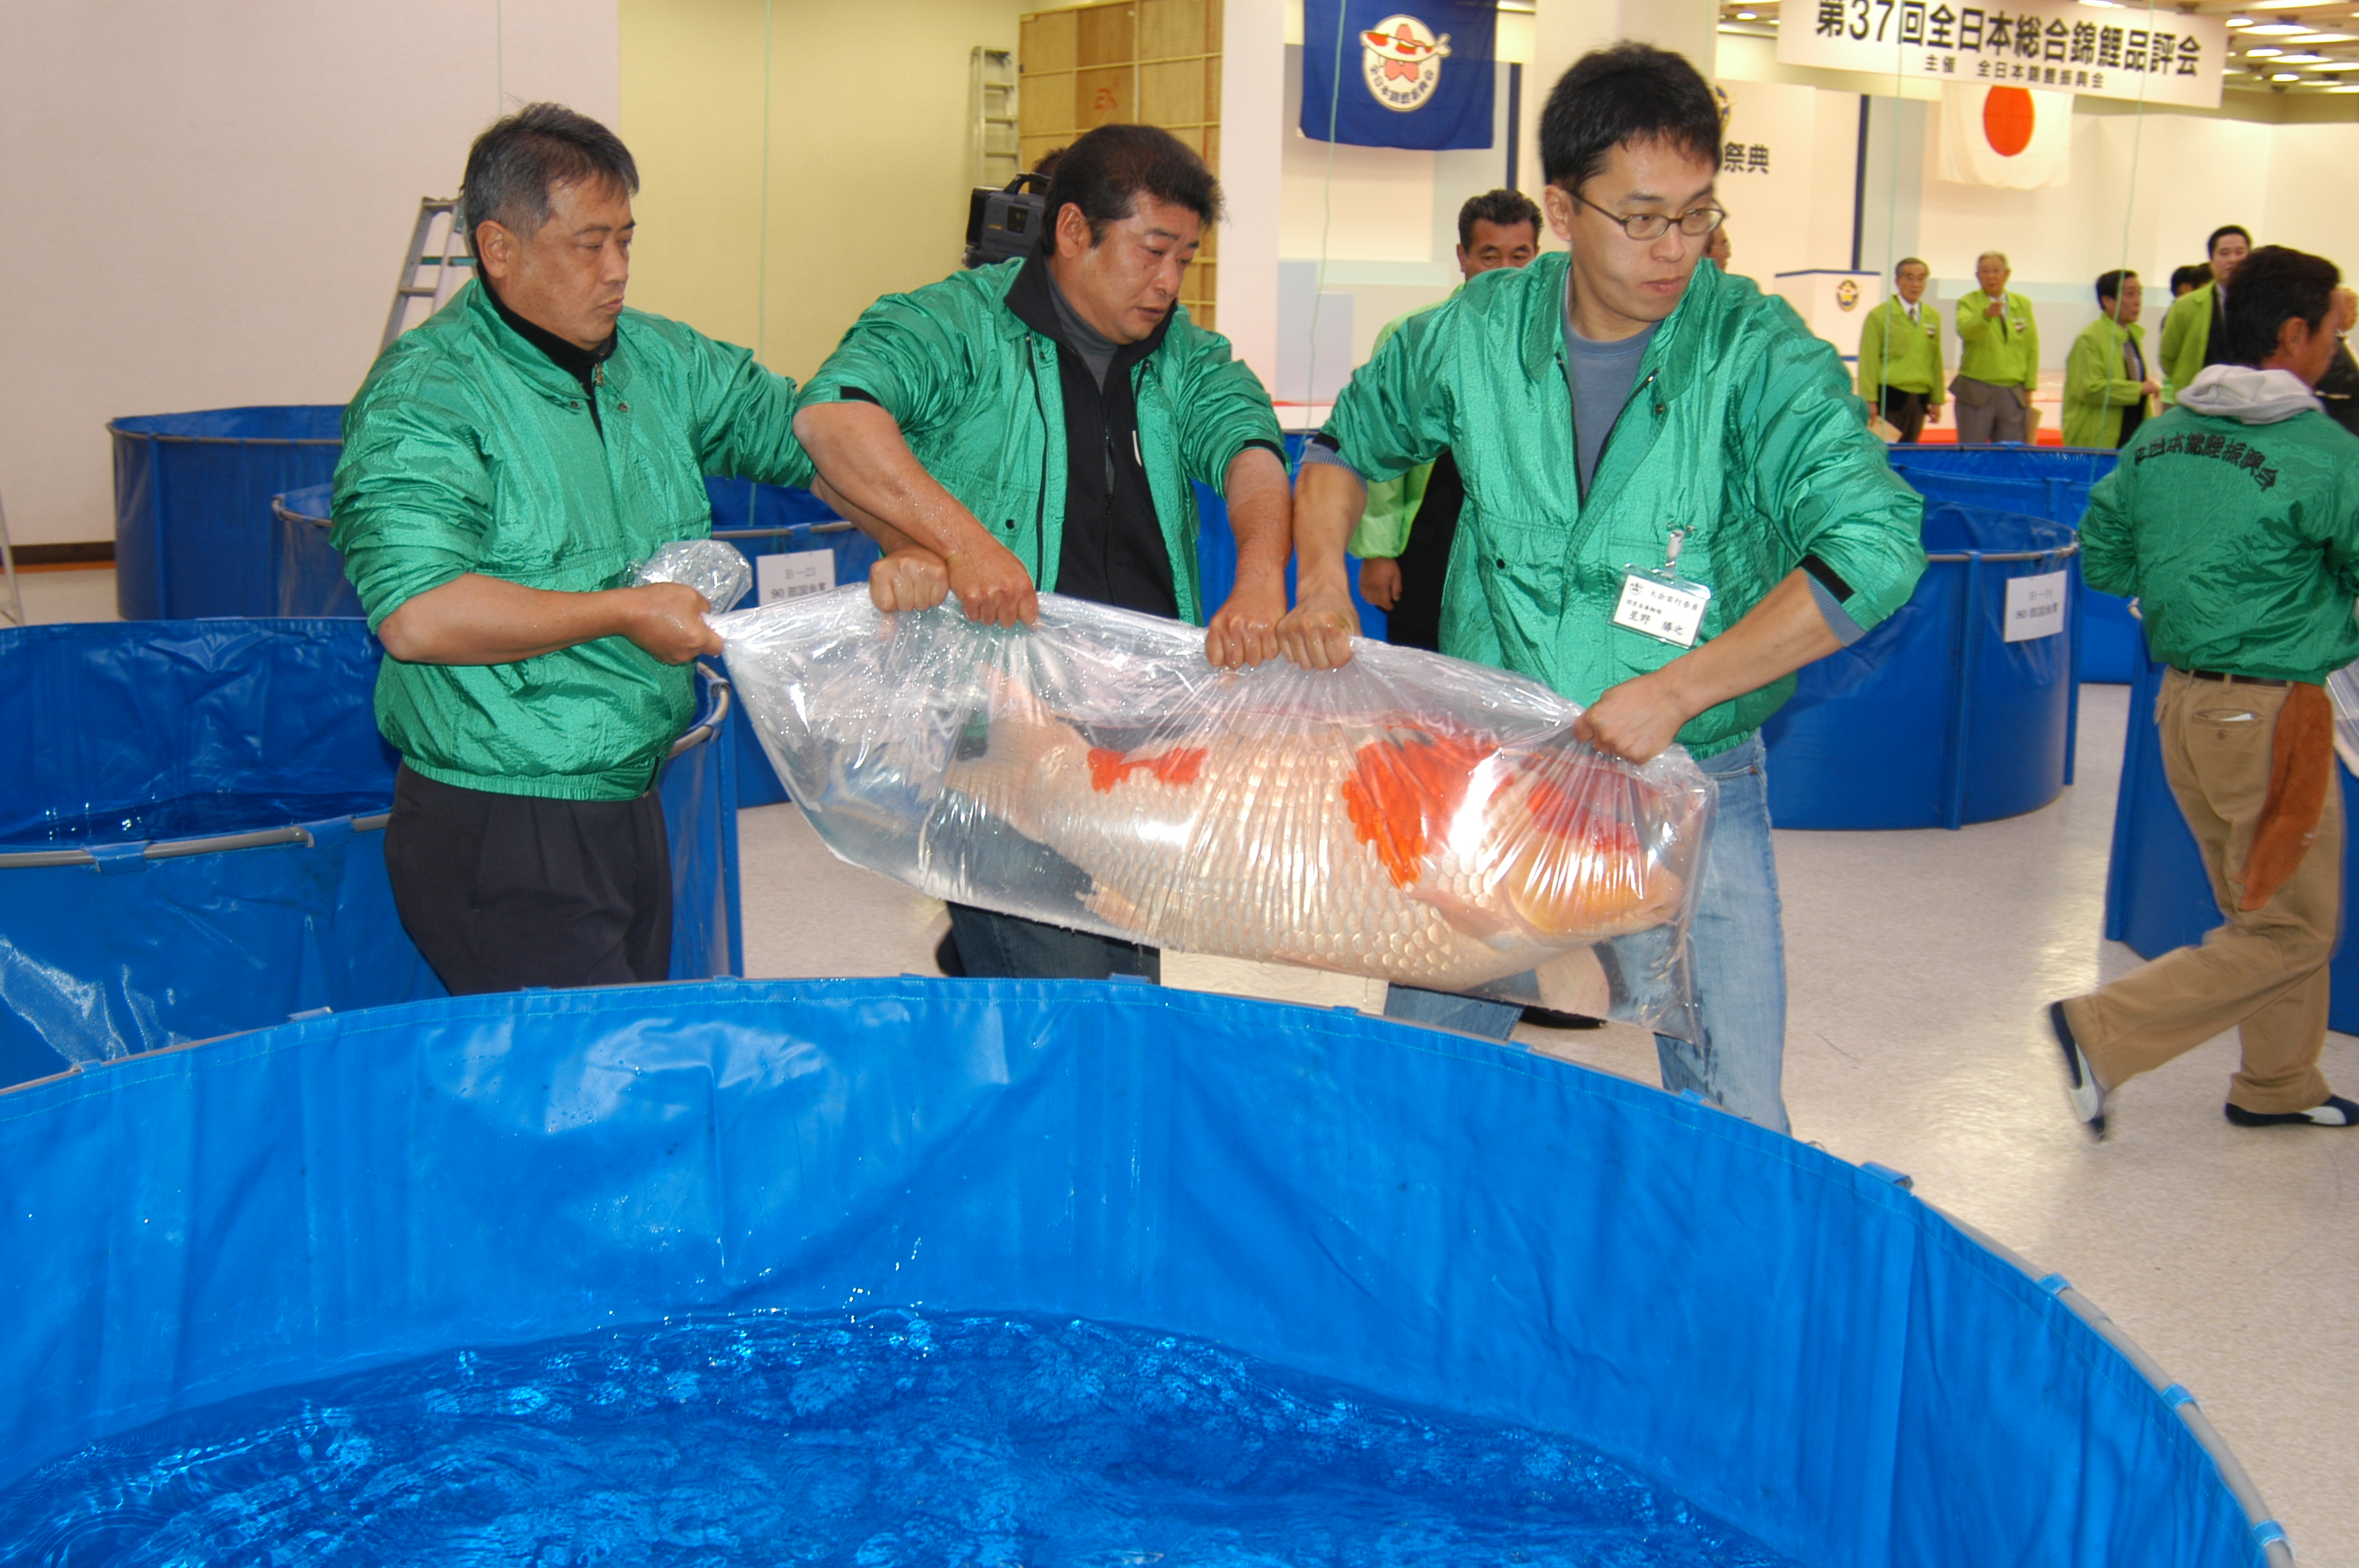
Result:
{"points": [[501, 891], [1904, 411], [1415, 618]]}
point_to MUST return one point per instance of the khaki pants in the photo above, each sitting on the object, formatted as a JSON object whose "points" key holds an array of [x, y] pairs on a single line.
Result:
{"points": [[2265, 970]]}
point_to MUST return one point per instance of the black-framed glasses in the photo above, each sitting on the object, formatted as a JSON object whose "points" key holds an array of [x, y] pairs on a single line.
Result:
{"points": [[1697, 221]]}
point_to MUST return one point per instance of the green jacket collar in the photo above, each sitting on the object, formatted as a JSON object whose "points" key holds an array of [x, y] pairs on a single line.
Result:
{"points": [[541, 373], [1672, 357]]}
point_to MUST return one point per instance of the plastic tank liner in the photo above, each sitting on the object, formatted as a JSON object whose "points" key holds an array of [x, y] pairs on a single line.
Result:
{"points": [[1796, 1345]]}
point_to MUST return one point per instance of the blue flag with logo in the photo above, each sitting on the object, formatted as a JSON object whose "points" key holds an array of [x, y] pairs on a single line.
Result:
{"points": [[1399, 73]]}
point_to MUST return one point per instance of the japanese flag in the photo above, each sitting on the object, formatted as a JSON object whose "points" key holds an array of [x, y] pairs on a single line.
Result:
{"points": [[2011, 136]]}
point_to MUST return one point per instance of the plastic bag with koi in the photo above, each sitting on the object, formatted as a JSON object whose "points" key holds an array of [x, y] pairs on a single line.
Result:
{"points": [[1410, 818]]}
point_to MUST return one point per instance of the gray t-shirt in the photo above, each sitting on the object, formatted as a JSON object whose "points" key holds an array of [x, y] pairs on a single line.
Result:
{"points": [[1600, 376]]}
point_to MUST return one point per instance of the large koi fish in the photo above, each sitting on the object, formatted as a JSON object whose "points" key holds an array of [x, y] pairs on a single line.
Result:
{"points": [[1408, 818]]}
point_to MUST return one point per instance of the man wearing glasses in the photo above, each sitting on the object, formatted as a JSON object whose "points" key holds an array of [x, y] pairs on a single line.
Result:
{"points": [[1671, 504]]}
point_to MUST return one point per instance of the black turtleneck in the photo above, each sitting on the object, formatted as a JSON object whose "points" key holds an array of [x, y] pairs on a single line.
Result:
{"points": [[575, 361]]}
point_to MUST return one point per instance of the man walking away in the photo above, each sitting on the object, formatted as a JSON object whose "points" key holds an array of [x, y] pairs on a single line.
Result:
{"points": [[2234, 518]]}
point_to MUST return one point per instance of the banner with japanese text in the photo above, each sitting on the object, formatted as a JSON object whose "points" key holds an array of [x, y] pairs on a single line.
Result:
{"points": [[2163, 57], [1399, 73]]}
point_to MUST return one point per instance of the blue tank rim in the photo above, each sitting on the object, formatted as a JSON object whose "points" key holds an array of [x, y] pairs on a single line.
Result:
{"points": [[1868, 1183]]}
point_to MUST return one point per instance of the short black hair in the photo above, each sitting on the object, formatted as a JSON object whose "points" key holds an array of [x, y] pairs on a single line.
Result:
{"points": [[1104, 172], [2223, 232], [1505, 207], [513, 165], [2274, 283], [1909, 260], [2109, 284], [2195, 274], [1631, 93]]}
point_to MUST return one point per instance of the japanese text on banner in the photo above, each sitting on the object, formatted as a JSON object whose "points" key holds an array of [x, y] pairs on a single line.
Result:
{"points": [[2104, 52]]}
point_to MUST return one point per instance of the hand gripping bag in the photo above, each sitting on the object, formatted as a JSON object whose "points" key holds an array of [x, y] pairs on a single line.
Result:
{"points": [[1409, 818]]}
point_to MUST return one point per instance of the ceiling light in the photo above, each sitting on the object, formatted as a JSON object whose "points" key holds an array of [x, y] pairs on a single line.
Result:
{"points": [[2342, 89], [2338, 65], [2308, 38], [1748, 17], [2287, 76], [2261, 53], [2287, 5], [2240, 21], [2301, 60], [2276, 30]]}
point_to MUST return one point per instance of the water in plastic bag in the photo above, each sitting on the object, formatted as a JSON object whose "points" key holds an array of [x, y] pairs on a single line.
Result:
{"points": [[713, 568], [1408, 818]]}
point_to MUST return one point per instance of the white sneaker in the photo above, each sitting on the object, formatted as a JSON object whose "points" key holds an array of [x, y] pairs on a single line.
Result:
{"points": [[2081, 1086]]}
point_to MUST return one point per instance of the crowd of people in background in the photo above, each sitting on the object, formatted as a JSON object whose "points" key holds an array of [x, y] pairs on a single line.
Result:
{"points": [[2112, 386]]}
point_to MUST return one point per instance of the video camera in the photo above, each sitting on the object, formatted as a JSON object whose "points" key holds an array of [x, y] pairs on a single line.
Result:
{"points": [[1004, 224]]}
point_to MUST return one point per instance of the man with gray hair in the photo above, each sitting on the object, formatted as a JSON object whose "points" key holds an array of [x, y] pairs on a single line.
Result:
{"points": [[506, 465], [1998, 358]]}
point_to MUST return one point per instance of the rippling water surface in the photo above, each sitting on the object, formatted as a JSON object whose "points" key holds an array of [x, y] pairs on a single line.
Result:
{"points": [[885, 1439]]}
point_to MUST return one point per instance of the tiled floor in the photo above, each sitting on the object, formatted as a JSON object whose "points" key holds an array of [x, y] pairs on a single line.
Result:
{"points": [[1918, 965]]}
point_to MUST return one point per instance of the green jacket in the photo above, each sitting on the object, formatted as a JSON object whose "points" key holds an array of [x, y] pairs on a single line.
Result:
{"points": [[1383, 528], [2004, 351], [2098, 385], [1742, 431], [467, 449], [2186, 338], [1905, 355], [977, 397], [2240, 541]]}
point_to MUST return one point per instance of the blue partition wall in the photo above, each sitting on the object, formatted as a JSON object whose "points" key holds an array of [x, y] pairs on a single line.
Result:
{"points": [[2156, 896], [1797, 1345], [195, 846], [193, 529]]}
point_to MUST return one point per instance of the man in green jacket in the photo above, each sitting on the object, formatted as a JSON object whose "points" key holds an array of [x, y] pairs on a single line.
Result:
{"points": [[2235, 519], [1998, 358], [1901, 362], [1034, 425], [506, 465], [2107, 382], [1636, 433], [1401, 568], [2194, 332]]}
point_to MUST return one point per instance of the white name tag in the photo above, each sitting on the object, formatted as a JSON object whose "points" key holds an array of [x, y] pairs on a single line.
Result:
{"points": [[793, 575], [1662, 606], [2035, 606]]}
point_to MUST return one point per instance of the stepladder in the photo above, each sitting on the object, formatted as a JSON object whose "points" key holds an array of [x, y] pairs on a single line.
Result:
{"points": [[436, 265]]}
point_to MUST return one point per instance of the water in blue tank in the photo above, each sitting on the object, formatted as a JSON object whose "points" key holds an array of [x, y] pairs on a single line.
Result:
{"points": [[886, 1439]]}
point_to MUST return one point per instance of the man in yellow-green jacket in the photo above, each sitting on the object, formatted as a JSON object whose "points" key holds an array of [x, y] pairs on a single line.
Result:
{"points": [[1900, 358], [2106, 382], [1998, 358], [2195, 332], [1634, 427]]}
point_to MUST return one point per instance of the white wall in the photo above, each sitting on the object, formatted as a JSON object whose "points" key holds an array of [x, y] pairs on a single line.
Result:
{"points": [[209, 202]]}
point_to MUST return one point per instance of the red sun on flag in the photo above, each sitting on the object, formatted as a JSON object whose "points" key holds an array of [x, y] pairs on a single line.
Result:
{"points": [[2008, 120]]}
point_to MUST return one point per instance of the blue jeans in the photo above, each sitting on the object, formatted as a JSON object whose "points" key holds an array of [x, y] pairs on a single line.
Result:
{"points": [[1737, 949]]}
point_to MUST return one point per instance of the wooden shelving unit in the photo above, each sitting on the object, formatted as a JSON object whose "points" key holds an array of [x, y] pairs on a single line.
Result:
{"points": [[1155, 62]]}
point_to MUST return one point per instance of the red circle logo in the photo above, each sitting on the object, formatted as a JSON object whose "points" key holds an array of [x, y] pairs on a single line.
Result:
{"points": [[2007, 119]]}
